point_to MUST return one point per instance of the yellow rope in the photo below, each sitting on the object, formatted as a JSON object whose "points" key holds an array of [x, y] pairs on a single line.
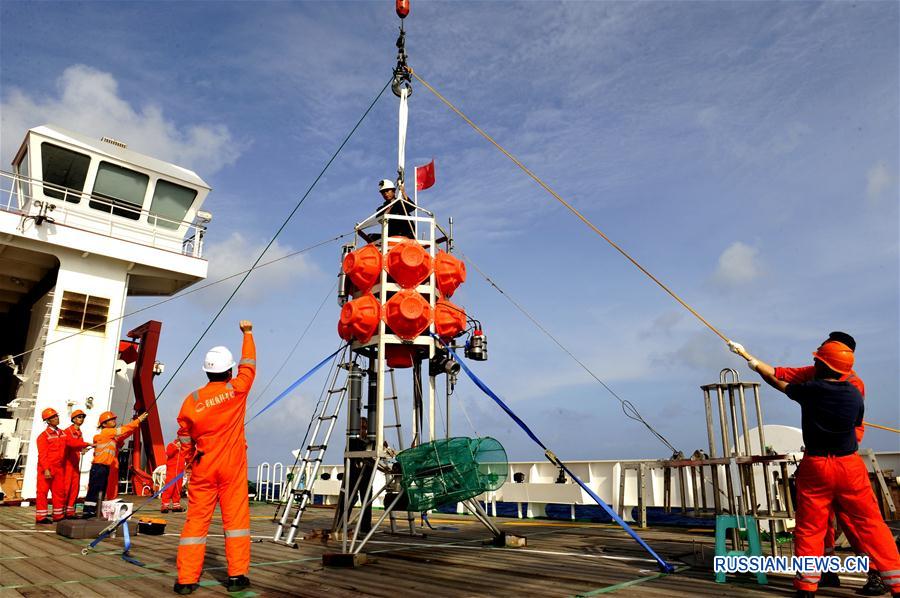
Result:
{"points": [[871, 425], [584, 219], [567, 205]]}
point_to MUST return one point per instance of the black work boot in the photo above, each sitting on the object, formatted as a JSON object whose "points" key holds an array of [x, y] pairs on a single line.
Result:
{"points": [[236, 583], [185, 588], [874, 585], [830, 580], [804, 594]]}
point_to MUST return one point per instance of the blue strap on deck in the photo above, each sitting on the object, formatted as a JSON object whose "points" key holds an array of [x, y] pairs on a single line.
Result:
{"points": [[109, 530], [663, 565], [125, 555]]}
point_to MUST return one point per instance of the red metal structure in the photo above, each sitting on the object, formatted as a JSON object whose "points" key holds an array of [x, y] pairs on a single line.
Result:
{"points": [[149, 446]]}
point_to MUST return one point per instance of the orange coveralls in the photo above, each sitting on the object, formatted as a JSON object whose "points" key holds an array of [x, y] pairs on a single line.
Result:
{"points": [[51, 446], [177, 454], [805, 374], [105, 464], [72, 472], [213, 417]]}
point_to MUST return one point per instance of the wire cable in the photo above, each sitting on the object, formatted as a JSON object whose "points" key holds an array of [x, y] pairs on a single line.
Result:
{"points": [[274, 237], [185, 293], [627, 406], [297, 344], [572, 209]]}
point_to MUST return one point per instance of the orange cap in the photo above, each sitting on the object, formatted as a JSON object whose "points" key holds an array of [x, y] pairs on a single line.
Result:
{"points": [[449, 273], [76, 413], [106, 416], [48, 413], [399, 356], [408, 314], [408, 263], [363, 266], [835, 355], [359, 318], [449, 320]]}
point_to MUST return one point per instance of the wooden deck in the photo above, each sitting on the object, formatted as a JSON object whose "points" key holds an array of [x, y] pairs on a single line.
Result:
{"points": [[561, 559]]}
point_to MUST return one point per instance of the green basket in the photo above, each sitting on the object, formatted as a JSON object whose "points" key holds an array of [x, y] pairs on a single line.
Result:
{"points": [[451, 470]]}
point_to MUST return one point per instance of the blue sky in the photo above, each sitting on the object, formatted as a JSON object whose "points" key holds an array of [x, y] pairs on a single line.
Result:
{"points": [[745, 153]]}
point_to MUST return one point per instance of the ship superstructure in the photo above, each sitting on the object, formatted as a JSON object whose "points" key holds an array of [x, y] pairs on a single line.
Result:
{"points": [[84, 223]]}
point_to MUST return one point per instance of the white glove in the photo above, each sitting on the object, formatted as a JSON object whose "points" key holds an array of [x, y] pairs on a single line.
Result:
{"points": [[737, 348]]}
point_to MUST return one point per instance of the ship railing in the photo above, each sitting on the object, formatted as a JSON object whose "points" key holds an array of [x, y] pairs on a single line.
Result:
{"points": [[624, 484], [28, 197]]}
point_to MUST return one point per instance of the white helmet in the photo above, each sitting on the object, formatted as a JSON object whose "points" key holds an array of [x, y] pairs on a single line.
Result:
{"points": [[385, 184], [218, 360]]}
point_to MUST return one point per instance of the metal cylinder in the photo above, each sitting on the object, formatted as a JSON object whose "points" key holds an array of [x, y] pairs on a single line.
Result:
{"points": [[343, 286], [372, 405], [355, 399]]}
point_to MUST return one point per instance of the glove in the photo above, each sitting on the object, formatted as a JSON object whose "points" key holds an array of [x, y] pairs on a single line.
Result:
{"points": [[737, 348]]}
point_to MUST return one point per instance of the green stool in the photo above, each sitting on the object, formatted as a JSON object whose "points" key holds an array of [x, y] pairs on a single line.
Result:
{"points": [[727, 522]]}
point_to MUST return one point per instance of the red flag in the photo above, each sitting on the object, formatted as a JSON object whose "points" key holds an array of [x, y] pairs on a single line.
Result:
{"points": [[425, 176]]}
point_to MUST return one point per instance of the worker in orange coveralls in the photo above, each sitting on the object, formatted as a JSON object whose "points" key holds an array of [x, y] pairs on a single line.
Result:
{"points": [[213, 418], [51, 446], [75, 448], [831, 471], [874, 585], [106, 453], [177, 454]]}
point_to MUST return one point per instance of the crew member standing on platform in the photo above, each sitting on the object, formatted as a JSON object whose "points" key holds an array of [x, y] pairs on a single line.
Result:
{"points": [[75, 448], [106, 452], [874, 586], [396, 228], [831, 471], [51, 446], [177, 455], [213, 418]]}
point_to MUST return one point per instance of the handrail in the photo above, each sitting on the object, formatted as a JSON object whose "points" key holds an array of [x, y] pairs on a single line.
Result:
{"points": [[157, 229]]}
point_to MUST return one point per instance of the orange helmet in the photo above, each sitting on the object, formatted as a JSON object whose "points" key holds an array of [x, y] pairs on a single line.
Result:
{"points": [[76, 413], [836, 355], [106, 416], [48, 413]]}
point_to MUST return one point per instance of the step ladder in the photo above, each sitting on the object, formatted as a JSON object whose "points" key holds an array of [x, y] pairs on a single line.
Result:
{"points": [[306, 471], [24, 411], [301, 486]]}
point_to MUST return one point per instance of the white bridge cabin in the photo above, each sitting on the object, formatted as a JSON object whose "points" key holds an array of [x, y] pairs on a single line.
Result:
{"points": [[84, 223]]}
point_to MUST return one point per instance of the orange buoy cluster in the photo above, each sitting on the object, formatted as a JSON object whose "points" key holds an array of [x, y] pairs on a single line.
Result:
{"points": [[407, 313]]}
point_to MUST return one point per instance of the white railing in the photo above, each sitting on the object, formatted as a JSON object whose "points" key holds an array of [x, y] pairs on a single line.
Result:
{"points": [[27, 198], [269, 481], [539, 487]]}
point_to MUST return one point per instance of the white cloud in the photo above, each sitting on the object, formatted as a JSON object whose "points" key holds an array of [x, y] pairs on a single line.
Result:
{"points": [[236, 254], [878, 180], [88, 102], [738, 265]]}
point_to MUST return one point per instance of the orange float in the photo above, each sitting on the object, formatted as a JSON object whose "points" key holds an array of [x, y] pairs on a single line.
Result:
{"points": [[449, 273], [399, 356], [408, 263], [408, 314], [449, 320], [359, 318], [363, 266]]}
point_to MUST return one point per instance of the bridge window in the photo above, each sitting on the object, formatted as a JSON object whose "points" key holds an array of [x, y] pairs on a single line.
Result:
{"points": [[64, 172], [119, 190], [83, 312], [170, 203]]}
